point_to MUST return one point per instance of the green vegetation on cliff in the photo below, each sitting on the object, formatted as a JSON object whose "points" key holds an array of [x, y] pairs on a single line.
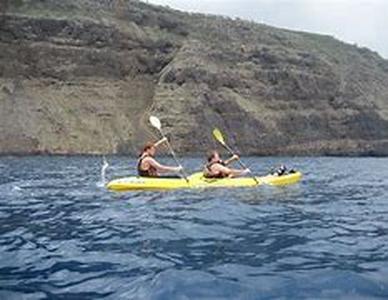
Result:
{"points": [[82, 77]]}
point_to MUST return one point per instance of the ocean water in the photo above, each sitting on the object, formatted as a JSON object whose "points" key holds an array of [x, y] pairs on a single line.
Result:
{"points": [[64, 236]]}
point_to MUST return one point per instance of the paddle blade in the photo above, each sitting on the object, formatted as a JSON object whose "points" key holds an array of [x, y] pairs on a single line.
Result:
{"points": [[155, 122], [218, 136]]}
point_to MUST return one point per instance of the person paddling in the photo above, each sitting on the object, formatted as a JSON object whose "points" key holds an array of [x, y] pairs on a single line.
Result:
{"points": [[216, 168], [147, 166]]}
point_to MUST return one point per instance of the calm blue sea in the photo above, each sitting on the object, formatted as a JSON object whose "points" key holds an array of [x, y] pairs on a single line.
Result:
{"points": [[63, 236]]}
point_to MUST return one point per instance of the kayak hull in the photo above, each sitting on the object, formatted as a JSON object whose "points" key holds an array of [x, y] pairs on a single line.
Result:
{"points": [[198, 181]]}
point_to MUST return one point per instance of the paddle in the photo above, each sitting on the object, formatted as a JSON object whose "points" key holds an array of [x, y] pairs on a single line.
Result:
{"points": [[220, 138], [155, 122]]}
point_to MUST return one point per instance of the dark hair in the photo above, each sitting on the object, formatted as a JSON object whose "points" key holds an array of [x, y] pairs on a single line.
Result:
{"points": [[147, 146], [211, 154]]}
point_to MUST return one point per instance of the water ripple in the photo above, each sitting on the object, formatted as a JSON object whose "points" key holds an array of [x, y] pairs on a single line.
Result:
{"points": [[63, 236]]}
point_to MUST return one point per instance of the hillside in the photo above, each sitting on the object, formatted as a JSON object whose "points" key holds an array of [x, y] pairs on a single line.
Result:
{"points": [[83, 76]]}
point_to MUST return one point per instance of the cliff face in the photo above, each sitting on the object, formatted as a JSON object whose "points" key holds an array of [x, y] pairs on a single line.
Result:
{"points": [[83, 77]]}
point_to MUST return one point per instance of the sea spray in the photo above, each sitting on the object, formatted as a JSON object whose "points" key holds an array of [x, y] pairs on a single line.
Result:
{"points": [[104, 166]]}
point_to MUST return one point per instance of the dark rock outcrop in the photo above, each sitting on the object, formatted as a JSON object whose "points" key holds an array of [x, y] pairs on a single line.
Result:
{"points": [[83, 76]]}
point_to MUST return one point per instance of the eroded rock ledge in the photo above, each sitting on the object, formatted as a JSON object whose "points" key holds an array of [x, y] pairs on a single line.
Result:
{"points": [[83, 76]]}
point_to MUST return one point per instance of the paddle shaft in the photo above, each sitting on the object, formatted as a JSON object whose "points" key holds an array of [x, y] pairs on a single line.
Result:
{"points": [[174, 155], [239, 161]]}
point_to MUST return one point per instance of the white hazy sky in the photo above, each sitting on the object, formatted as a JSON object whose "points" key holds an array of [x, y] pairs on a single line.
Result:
{"points": [[364, 22]]}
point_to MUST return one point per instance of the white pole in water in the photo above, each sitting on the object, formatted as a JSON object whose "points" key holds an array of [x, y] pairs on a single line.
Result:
{"points": [[105, 166]]}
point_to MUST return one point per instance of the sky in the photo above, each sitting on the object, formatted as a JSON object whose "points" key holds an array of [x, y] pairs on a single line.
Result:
{"points": [[361, 22]]}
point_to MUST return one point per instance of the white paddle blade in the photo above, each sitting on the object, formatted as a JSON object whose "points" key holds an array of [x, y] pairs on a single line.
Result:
{"points": [[155, 122]]}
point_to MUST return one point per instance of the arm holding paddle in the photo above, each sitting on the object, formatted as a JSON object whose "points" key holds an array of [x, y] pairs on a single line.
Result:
{"points": [[162, 168], [161, 141], [232, 159]]}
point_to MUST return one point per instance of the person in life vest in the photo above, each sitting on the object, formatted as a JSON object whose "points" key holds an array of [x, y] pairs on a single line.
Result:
{"points": [[147, 165], [216, 168]]}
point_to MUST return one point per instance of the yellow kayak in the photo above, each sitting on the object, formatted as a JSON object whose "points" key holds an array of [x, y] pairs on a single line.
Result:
{"points": [[197, 180]]}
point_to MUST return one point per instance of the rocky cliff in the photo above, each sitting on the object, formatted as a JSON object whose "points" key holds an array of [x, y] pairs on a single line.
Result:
{"points": [[83, 76]]}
